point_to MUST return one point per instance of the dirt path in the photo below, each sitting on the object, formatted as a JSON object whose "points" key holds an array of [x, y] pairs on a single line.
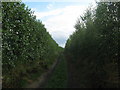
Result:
{"points": [[43, 78]]}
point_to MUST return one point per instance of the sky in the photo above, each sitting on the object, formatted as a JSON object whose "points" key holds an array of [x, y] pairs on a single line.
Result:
{"points": [[59, 17]]}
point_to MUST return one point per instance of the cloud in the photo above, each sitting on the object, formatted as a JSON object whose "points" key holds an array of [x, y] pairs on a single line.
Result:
{"points": [[33, 9], [81, 1], [41, 15], [60, 22], [61, 41], [50, 6]]}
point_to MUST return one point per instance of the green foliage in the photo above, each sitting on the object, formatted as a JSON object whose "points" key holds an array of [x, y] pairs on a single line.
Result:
{"points": [[0, 12], [27, 46], [92, 50]]}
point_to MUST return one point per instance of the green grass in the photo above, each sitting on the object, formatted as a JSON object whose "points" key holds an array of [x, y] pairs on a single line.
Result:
{"points": [[32, 76], [59, 76]]}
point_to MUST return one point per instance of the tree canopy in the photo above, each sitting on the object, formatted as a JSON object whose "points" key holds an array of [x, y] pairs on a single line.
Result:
{"points": [[26, 43], [92, 50]]}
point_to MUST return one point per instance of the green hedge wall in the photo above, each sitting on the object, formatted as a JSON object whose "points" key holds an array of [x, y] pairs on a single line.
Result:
{"points": [[26, 43]]}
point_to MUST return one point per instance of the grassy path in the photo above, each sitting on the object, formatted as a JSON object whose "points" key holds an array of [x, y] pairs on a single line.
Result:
{"points": [[41, 81], [58, 78]]}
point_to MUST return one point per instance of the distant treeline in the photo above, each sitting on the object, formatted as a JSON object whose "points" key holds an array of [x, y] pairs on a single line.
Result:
{"points": [[26, 45], [92, 50]]}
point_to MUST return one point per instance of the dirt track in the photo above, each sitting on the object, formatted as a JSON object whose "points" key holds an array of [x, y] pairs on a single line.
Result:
{"points": [[42, 80]]}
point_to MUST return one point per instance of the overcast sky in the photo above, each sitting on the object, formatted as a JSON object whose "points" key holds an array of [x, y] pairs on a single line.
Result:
{"points": [[59, 17]]}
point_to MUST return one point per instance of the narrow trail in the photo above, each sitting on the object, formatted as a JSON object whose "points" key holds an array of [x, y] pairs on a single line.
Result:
{"points": [[58, 78], [42, 80]]}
